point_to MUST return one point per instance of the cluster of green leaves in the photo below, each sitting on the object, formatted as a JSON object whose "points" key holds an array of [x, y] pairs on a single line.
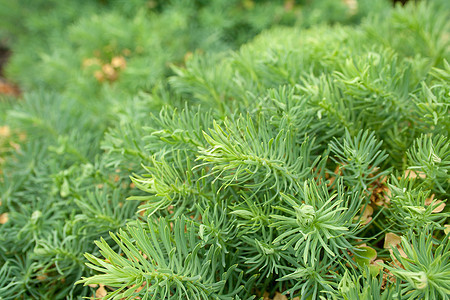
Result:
{"points": [[252, 167], [252, 171]]}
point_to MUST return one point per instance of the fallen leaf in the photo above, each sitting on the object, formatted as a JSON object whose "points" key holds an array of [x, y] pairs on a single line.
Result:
{"points": [[15, 146], [9, 89], [368, 211], [402, 253], [119, 62], [289, 5], [391, 239], [99, 76], [91, 62], [366, 215], [412, 174], [440, 207], [387, 277], [387, 197], [116, 178], [279, 296], [428, 201], [447, 228], [101, 291], [109, 71], [337, 171], [380, 193], [93, 285], [5, 131], [4, 218], [352, 6], [41, 277], [141, 287]]}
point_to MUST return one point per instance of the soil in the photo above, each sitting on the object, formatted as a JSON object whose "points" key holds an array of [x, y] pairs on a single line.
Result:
{"points": [[6, 88], [4, 55]]}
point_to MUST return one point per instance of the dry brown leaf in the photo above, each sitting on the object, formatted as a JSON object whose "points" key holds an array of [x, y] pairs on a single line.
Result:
{"points": [[440, 207], [101, 291], [4, 218], [391, 239], [400, 250], [93, 285], [109, 71], [41, 277], [116, 178], [99, 76], [387, 276], [15, 146], [331, 179], [366, 215], [429, 200], [279, 296], [5, 131], [352, 6], [368, 211], [289, 5], [91, 62], [387, 197], [380, 192], [141, 287], [119, 62], [413, 174], [9, 89]]}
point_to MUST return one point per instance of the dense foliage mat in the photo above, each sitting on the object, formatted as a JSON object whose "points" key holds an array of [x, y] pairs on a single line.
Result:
{"points": [[311, 161]]}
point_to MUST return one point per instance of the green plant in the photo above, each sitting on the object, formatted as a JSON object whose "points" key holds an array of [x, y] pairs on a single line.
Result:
{"points": [[273, 167], [423, 266]]}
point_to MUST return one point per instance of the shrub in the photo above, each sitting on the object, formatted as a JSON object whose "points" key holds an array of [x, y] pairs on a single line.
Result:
{"points": [[290, 165]]}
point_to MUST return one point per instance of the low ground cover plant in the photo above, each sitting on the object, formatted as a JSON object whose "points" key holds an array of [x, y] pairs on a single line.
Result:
{"points": [[311, 162]]}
